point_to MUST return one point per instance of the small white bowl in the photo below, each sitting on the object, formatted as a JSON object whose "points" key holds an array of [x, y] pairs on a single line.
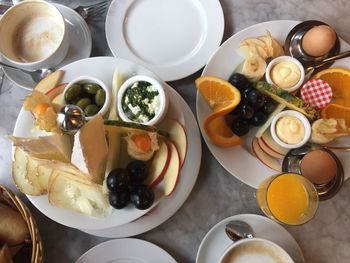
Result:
{"points": [[282, 59], [304, 121], [163, 97], [89, 79]]}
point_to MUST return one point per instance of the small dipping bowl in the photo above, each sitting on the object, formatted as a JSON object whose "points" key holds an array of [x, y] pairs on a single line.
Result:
{"points": [[293, 44], [305, 122], [90, 79], [278, 60], [318, 164], [163, 99]]}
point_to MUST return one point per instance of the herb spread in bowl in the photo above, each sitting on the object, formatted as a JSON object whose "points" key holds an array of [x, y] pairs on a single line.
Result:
{"points": [[142, 99]]}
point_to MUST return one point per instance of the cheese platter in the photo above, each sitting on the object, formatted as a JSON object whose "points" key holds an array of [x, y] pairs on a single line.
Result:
{"points": [[87, 172]]}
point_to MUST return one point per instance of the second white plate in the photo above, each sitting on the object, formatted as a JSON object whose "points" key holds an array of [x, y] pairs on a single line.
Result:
{"points": [[171, 38], [126, 250]]}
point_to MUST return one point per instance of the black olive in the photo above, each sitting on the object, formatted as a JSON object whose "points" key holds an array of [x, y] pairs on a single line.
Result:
{"points": [[240, 81], [117, 179], [119, 199], [142, 197], [246, 111], [256, 99], [240, 127], [138, 171], [258, 119]]}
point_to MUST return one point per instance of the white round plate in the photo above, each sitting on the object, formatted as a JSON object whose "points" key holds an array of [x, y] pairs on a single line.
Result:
{"points": [[171, 38], [127, 250], [240, 161], [216, 241], [103, 68], [168, 206], [80, 46]]}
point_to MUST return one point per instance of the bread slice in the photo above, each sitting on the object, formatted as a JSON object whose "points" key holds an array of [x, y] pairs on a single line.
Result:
{"points": [[78, 194]]}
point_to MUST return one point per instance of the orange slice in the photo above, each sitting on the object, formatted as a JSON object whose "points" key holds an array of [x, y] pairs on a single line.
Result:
{"points": [[220, 94], [222, 97], [336, 111], [219, 133], [339, 80]]}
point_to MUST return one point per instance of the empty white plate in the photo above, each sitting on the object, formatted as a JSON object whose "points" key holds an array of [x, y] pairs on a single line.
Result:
{"points": [[126, 250], [171, 38]]}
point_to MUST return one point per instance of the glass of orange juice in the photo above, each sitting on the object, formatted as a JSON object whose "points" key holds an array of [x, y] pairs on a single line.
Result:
{"points": [[288, 198]]}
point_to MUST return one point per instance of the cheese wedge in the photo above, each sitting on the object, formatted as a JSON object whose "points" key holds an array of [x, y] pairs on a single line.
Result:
{"points": [[90, 149], [78, 194], [52, 147]]}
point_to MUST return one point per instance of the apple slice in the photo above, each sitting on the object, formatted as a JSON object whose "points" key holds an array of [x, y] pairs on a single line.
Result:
{"points": [[178, 136], [49, 82], [172, 174], [265, 158], [55, 91], [158, 165], [269, 142], [268, 150]]}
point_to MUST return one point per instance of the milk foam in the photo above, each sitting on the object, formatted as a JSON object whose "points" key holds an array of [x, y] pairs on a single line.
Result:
{"points": [[256, 253], [37, 38]]}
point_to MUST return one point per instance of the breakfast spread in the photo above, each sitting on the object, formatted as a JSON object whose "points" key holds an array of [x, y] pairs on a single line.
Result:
{"points": [[106, 163], [269, 83], [106, 145]]}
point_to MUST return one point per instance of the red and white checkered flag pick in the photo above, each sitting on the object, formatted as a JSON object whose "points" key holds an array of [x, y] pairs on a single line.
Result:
{"points": [[317, 93]]}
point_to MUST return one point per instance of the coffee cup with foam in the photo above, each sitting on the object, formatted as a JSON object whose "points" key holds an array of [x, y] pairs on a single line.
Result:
{"points": [[255, 250], [33, 35]]}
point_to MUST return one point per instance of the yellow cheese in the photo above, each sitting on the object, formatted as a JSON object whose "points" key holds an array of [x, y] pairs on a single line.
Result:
{"points": [[78, 194], [52, 147], [90, 149]]}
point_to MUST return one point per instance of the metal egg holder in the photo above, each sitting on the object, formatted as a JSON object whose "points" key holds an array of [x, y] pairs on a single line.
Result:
{"points": [[293, 45], [292, 161]]}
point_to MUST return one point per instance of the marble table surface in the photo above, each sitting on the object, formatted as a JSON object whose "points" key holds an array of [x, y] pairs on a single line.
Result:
{"points": [[216, 194]]}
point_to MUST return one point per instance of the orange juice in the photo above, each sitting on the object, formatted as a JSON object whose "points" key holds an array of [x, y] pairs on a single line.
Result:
{"points": [[287, 198]]}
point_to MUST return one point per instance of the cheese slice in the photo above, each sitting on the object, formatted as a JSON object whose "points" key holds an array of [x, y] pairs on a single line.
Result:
{"points": [[52, 147], [78, 194], [90, 149]]}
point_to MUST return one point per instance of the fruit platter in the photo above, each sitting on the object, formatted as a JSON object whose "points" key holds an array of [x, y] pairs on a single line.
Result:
{"points": [[268, 104], [87, 165]]}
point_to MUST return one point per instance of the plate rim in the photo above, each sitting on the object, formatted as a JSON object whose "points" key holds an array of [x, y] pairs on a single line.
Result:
{"points": [[214, 40]]}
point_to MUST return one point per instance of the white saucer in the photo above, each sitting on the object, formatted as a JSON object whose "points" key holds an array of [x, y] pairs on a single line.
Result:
{"points": [[171, 38], [126, 250], [215, 241], [79, 47]]}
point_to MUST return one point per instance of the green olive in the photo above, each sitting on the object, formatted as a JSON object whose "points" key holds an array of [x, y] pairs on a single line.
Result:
{"points": [[91, 88], [100, 98], [83, 103], [72, 92], [91, 110]]}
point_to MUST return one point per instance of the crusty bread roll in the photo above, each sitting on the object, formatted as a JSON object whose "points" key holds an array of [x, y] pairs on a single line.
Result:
{"points": [[13, 228]]}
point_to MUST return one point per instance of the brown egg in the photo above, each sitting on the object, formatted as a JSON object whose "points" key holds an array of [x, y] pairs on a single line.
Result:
{"points": [[319, 40], [319, 167]]}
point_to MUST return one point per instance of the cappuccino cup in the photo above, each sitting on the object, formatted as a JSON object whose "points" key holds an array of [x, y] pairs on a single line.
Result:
{"points": [[255, 250], [33, 35]]}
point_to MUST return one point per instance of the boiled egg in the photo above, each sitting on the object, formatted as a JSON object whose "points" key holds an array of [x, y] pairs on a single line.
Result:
{"points": [[319, 40]]}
